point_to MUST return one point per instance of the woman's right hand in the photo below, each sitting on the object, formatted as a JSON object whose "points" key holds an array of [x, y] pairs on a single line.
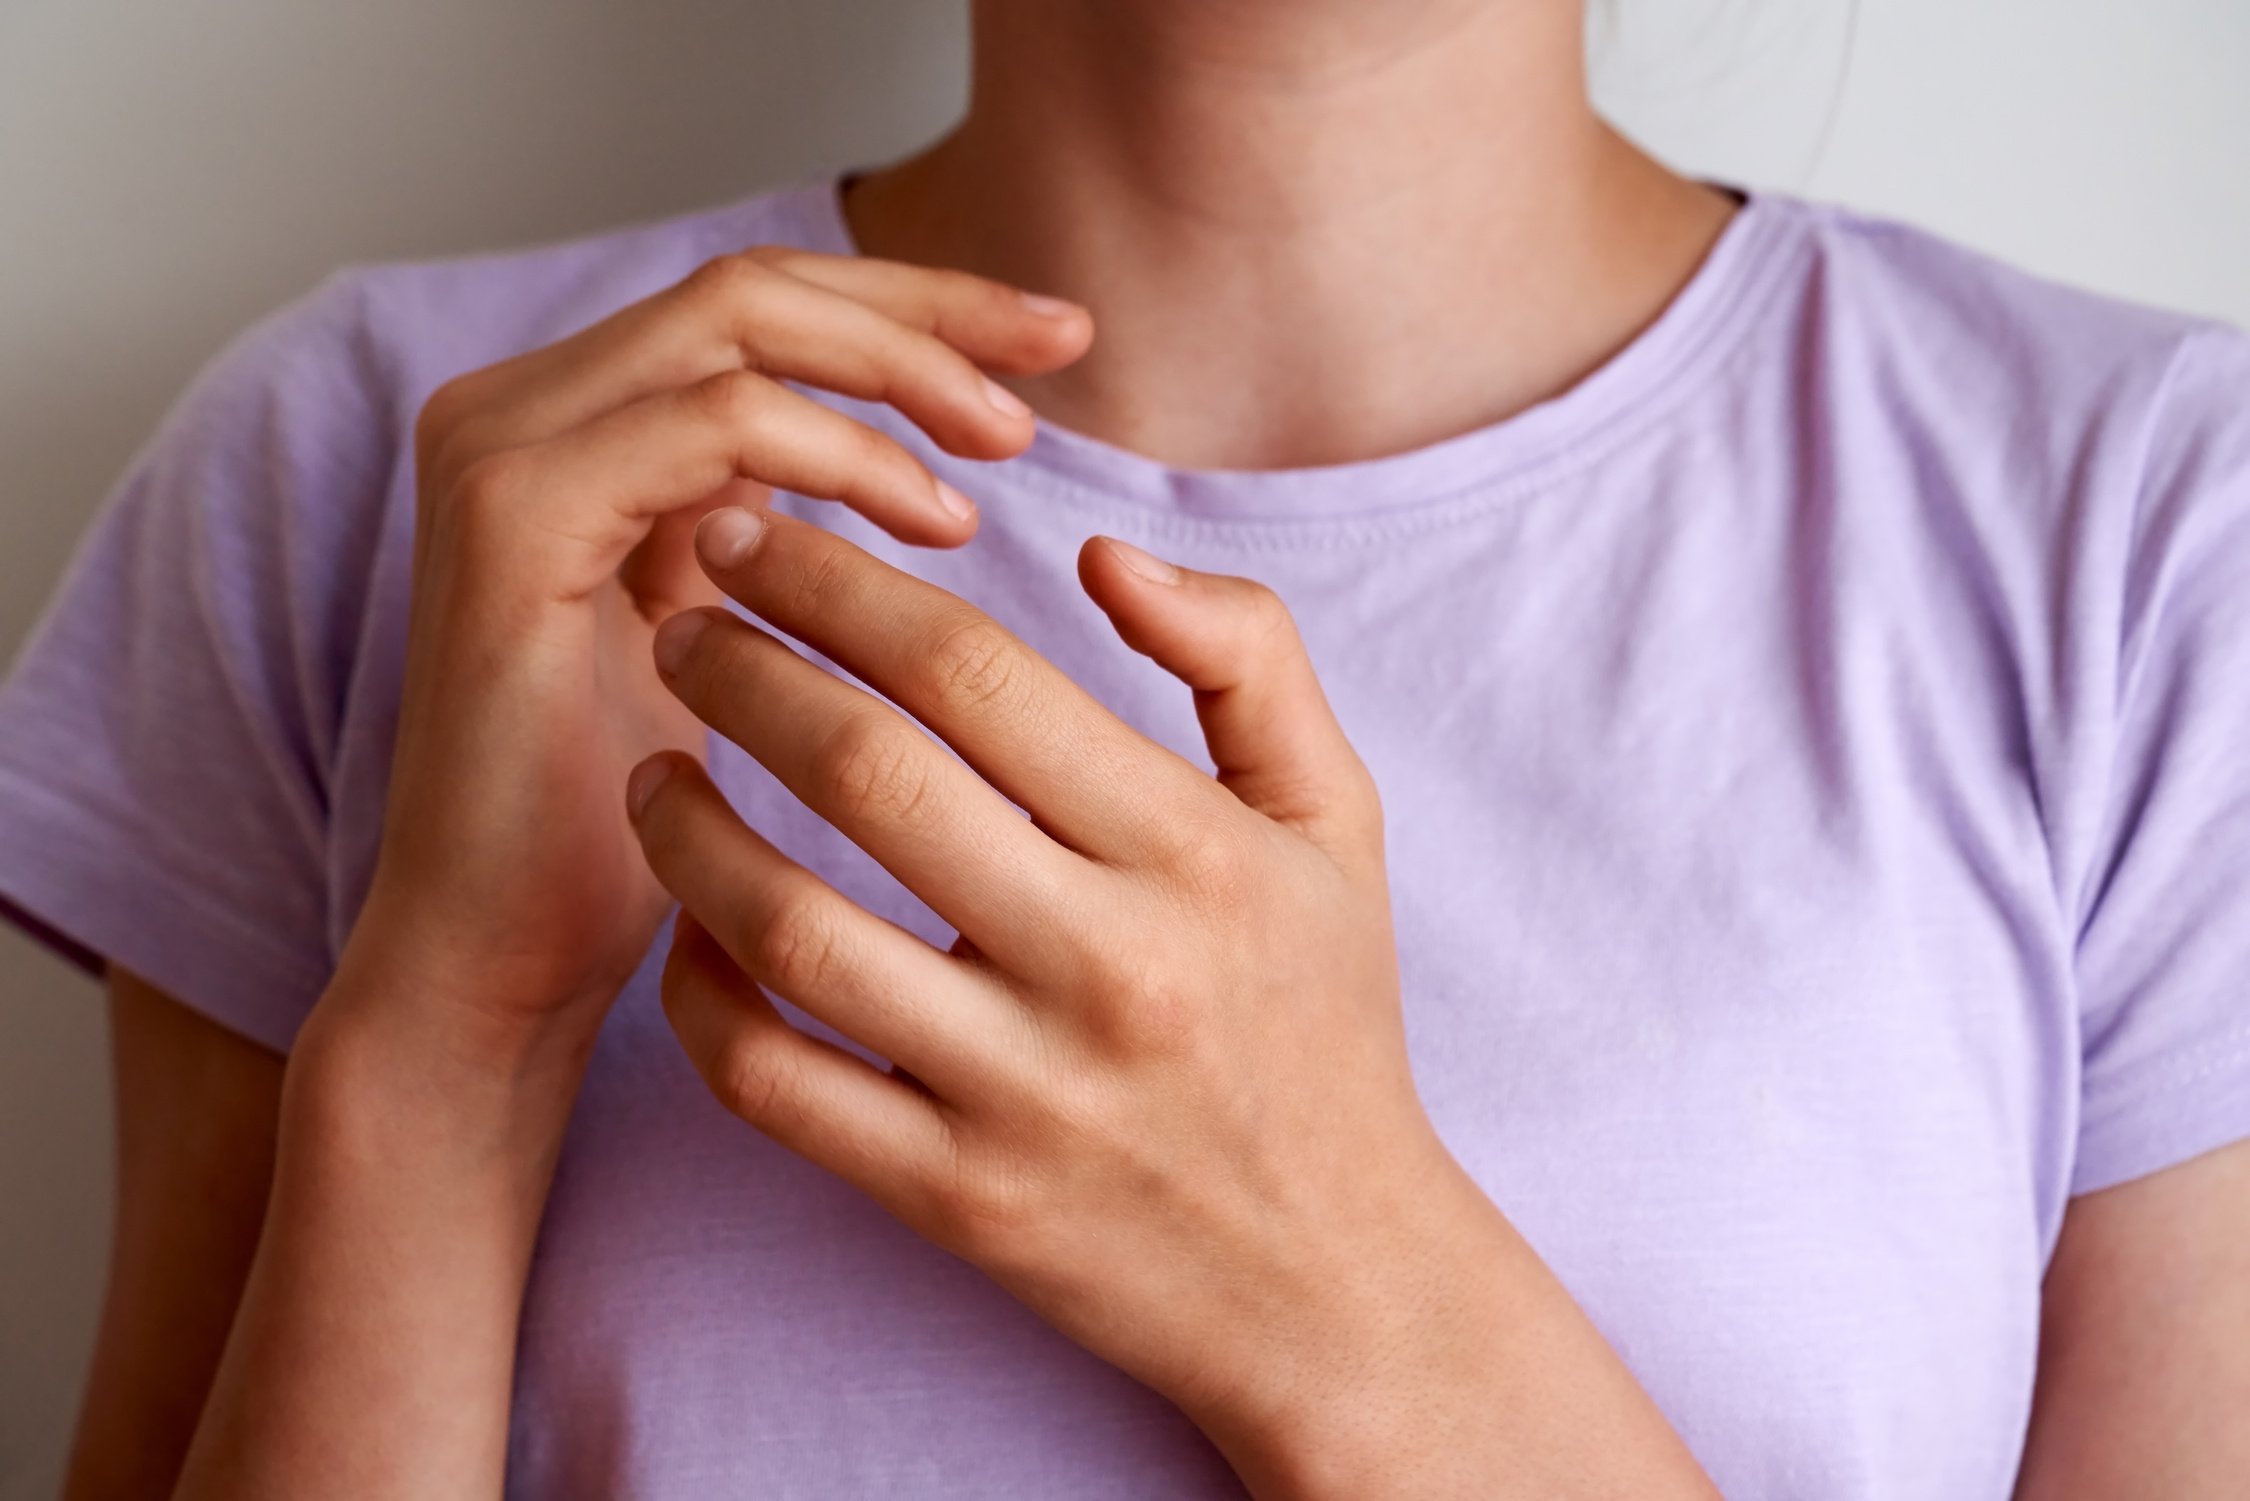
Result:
{"points": [[423, 1109], [558, 492]]}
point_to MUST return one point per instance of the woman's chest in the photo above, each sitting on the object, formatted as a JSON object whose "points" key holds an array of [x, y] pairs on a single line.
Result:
{"points": [[1725, 972], [1769, 1088]]}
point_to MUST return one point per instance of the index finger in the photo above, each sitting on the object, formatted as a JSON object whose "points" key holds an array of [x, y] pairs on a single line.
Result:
{"points": [[911, 336], [1084, 776]]}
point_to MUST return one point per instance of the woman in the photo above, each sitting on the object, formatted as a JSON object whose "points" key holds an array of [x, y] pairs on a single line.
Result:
{"points": [[1781, 1033]]}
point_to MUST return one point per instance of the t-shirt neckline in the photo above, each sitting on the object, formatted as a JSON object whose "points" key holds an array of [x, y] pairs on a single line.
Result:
{"points": [[1625, 394]]}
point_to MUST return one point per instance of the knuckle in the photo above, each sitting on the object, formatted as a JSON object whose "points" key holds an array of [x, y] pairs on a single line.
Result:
{"points": [[903, 476], [871, 449], [754, 1079], [442, 411], [1149, 1013], [442, 429], [797, 948], [729, 280], [868, 455], [874, 467], [493, 482], [1271, 624], [775, 257], [871, 768], [972, 662], [820, 578], [1261, 599], [736, 400], [730, 294], [1211, 859]]}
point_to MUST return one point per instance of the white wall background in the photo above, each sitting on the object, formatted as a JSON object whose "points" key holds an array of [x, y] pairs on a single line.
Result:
{"points": [[167, 172]]}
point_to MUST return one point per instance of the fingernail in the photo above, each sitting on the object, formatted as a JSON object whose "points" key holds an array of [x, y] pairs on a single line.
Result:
{"points": [[954, 501], [724, 536], [1005, 400], [646, 778], [675, 636], [1048, 307], [1149, 567]]}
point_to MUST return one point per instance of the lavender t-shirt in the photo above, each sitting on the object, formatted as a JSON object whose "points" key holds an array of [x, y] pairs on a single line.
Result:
{"points": [[1816, 751]]}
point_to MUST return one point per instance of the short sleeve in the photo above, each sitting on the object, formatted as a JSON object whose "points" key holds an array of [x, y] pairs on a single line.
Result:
{"points": [[167, 733], [2164, 943]]}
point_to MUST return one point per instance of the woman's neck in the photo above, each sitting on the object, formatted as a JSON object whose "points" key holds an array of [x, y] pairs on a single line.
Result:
{"points": [[1310, 230]]}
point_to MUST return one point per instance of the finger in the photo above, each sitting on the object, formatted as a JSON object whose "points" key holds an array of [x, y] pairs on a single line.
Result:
{"points": [[999, 326], [1083, 775], [803, 940], [881, 331], [660, 574], [815, 1099], [1274, 740], [927, 819], [587, 497]]}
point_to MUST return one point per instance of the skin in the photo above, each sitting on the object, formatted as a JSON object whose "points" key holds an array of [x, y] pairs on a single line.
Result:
{"points": [[1287, 1252], [1206, 178]]}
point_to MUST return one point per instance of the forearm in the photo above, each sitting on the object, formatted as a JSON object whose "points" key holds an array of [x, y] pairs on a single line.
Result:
{"points": [[373, 1352], [1469, 1373]]}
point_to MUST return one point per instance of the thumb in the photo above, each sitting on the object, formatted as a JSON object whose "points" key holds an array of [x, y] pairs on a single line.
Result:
{"points": [[1273, 739]]}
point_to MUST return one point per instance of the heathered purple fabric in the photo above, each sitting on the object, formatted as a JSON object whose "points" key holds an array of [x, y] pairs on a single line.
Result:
{"points": [[1817, 759]]}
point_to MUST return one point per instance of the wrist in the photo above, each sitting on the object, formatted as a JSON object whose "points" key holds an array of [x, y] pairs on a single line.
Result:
{"points": [[388, 1065], [1377, 1388], [373, 1347], [461, 1018], [1452, 1363]]}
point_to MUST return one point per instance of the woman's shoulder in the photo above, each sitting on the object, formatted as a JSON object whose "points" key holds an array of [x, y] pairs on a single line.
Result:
{"points": [[341, 367], [300, 427], [415, 322], [2045, 399], [1985, 340], [194, 737], [1894, 276]]}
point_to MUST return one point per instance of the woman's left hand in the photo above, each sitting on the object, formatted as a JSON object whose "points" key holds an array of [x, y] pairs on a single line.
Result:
{"points": [[1159, 1088]]}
